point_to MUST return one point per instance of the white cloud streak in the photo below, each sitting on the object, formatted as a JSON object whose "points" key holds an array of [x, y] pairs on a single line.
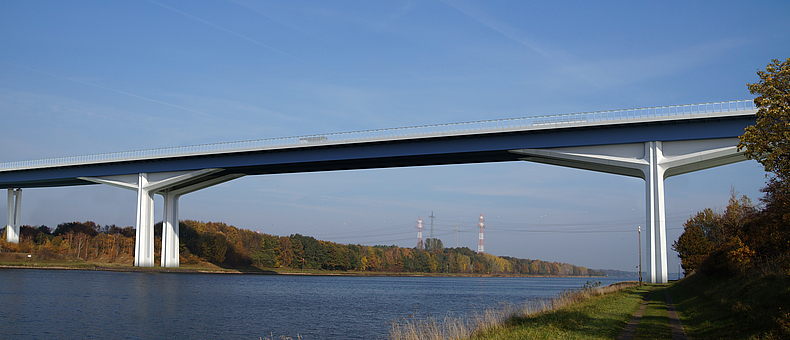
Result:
{"points": [[234, 33], [477, 14], [107, 89]]}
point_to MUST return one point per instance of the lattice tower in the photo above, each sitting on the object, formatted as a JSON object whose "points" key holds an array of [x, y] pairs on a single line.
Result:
{"points": [[480, 248]]}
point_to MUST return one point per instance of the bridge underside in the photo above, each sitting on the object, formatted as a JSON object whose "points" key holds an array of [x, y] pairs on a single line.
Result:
{"points": [[652, 151]]}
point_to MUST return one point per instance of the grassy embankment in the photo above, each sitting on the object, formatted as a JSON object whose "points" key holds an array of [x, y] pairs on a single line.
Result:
{"points": [[589, 312], [746, 307], [596, 317]]}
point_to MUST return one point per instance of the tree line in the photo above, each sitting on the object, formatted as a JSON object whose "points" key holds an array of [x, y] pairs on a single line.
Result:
{"points": [[739, 239], [83, 240], [747, 237], [243, 247], [231, 247]]}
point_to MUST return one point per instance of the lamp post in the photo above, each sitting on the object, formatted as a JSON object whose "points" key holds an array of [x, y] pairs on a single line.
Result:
{"points": [[640, 255]]}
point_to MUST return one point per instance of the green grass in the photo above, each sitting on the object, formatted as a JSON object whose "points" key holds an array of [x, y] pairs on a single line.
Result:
{"points": [[748, 307], [710, 307], [599, 317]]}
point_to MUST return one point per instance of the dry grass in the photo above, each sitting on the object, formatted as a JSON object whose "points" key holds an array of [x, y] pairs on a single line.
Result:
{"points": [[282, 337], [464, 327]]}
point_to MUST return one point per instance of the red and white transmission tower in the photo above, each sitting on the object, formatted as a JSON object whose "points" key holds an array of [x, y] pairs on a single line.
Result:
{"points": [[420, 245], [480, 249]]}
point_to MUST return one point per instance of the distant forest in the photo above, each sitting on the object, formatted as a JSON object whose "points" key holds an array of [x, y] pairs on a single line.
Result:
{"points": [[232, 247]]}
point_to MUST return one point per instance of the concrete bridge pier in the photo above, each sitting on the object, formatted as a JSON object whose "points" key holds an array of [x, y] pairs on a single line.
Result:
{"points": [[170, 240], [14, 215], [652, 161], [171, 185], [654, 175]]}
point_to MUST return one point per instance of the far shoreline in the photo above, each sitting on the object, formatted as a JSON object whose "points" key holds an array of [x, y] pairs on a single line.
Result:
{"points": [[212, 269]]}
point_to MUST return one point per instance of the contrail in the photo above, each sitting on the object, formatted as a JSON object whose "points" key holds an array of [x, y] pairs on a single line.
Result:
{"points": [[229, 31], [497, 26], [106, 88]]}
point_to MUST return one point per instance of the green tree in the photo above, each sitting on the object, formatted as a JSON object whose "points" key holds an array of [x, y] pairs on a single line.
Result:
{"points": [[433, 244], [214, 246], [422, 261], [297, 251], [270, 251], [710, 223], [768, 141], [692, 246]]}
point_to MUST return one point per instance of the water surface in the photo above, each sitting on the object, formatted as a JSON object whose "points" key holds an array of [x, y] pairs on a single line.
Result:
{"points": [[69, 304]]}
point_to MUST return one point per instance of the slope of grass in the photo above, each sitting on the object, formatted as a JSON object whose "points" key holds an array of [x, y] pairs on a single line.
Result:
{"points": [[589, 312], [710, 307], [598, 317], [742, 307]]}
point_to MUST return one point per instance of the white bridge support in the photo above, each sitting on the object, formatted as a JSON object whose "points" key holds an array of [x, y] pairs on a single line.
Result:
{"points": [[14, 215], [652, 161], [171, 185]]}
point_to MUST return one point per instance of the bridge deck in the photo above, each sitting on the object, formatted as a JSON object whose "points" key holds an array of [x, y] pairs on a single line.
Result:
{"points": [[469, 142]]}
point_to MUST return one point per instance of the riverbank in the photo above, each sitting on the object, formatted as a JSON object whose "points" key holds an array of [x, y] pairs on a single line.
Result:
{"points": [[755, 306], [22, 261], [709, 307], [572, 314]]}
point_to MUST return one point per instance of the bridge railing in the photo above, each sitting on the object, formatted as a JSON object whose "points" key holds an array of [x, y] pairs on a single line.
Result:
{"points": [[482, 126]]}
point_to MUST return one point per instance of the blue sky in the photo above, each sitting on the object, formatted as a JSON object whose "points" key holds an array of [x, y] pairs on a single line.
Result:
{"points": [[83, 77]]}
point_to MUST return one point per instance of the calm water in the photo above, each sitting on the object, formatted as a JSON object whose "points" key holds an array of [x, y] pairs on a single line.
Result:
{"points": [[67, 304]]}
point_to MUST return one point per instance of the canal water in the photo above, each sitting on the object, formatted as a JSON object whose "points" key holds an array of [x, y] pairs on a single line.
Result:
{"points": [[74, 304]]}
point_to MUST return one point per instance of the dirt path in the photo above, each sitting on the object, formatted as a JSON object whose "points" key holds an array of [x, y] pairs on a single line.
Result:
{"points": [[674, 321]]}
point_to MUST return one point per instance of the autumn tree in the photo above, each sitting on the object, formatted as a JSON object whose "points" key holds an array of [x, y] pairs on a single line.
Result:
{"points": [[768, 141], [722, 242], [88, 228], [286, 252]]}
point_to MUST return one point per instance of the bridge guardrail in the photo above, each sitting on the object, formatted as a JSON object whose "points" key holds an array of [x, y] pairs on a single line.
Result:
{"points": [[379, 134]]}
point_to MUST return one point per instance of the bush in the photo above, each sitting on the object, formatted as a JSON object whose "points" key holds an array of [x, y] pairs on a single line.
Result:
{"points": [[188, 258]]}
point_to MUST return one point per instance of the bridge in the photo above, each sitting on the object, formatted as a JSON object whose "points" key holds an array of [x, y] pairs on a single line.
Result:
{"points": [[649, 143]]}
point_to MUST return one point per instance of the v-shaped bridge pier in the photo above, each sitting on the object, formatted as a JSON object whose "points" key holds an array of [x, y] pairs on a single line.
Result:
{"points": [[171, 185], [653, 162]]}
